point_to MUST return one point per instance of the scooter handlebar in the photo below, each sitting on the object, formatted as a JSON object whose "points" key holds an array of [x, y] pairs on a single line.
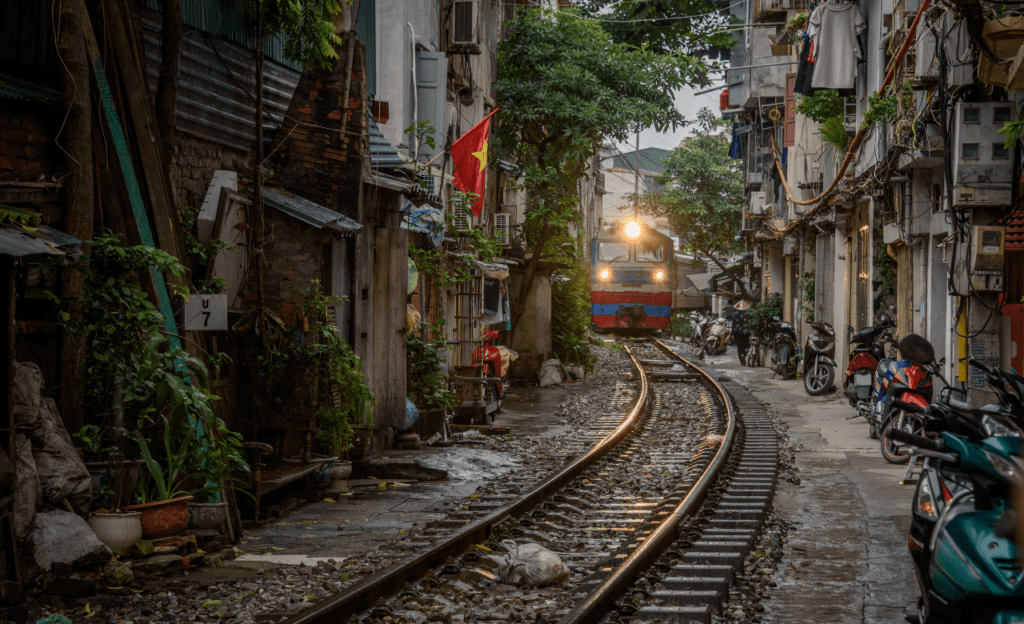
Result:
{"points": [[916, 440]]}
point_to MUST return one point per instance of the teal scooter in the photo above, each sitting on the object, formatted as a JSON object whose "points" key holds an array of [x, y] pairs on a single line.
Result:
{"points": [[961, 539]]}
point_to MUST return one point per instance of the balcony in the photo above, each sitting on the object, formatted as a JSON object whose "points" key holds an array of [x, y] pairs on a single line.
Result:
{"points": [[775, 10]]}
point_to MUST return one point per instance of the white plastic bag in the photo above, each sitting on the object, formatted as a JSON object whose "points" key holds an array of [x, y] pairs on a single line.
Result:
{"points": [[531, 564]]}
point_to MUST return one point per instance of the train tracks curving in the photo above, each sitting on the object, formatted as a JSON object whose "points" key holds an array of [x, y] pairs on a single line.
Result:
{"points": [[653, 519]]}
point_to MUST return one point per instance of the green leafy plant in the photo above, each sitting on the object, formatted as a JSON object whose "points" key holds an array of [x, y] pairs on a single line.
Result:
{"points": [[570, 306], [833, 132], [426, 385], [807, 301], [165, 480], [201, 254], [886, 265], [760, 313], [1012, 130], [797, 22], [822, 105], [680, 326], [880, 109]]}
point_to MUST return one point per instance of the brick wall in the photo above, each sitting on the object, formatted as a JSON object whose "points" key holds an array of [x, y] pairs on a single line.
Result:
{"points": [[318, 158], [294, 256], [192, 165], [26, 137]]}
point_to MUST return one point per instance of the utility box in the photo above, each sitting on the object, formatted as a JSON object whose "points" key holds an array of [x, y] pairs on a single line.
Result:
{"points": [[987, 257], [981, 163], [758, 203]]}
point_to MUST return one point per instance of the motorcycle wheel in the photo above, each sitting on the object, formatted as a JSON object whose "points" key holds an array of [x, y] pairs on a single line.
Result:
{"points": [[784, 363], [710, 348], [892, 451], [819, 378]]}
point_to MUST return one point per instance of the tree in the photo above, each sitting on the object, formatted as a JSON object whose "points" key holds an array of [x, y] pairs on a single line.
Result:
{"points": [[309, 35], [564, 87], [697, 27], [703, 195]]}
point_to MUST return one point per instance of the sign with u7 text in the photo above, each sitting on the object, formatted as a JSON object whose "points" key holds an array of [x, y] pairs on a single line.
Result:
{"points": [[206, 312]]}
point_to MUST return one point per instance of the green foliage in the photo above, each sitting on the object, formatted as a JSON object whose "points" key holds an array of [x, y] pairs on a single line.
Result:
{"points": [[571, 310], [822, 106], [1012, 130], [200, 253], [760, 313], [704, 191], [807, 302], [565, 86], [880, 109], [886, 266], [426, 385], [338, 372], [307, 27], [656, 24], [833, 132], [680, 326], [797, 22], [164, 481], [421, 133]]}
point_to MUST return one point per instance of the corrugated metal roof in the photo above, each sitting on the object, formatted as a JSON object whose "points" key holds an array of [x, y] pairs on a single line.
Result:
{"points": [[17, 241], [225, 20], [217, 86], [17, 89], [310, 213], [383, 155]]}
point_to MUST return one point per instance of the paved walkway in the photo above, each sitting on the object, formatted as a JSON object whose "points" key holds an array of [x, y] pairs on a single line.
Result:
{"points": [[847, 559]]}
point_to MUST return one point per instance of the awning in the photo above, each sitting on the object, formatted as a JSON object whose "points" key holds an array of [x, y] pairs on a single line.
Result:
{"points": [[310, 213], [383, 155], [424, 220], [701, 280], [18, 242]]}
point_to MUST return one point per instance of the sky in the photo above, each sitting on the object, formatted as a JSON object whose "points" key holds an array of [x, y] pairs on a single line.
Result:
{"points": [[689, 104]]}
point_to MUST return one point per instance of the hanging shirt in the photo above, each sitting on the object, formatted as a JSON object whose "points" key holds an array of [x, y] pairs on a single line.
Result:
{"points": [[833, 28]]}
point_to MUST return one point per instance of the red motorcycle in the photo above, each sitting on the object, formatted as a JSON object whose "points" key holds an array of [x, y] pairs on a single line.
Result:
{"points": [[908, 382], [868, 349], [488, 356]]}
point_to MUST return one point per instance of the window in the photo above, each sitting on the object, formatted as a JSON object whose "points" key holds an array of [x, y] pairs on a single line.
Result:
{"points": [[650, 254], [612, 252]]}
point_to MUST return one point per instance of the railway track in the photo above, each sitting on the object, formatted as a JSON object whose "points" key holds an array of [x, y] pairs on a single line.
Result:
{"points": [[652, 516]]}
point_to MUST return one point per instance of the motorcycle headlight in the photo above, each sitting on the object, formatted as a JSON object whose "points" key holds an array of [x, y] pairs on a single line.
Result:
{"points": [[996, 429], [1006, 468]]}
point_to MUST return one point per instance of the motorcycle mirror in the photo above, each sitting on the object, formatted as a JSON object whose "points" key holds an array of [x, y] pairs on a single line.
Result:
{"points": [[851, 329], [942, 361], [917, 349]]}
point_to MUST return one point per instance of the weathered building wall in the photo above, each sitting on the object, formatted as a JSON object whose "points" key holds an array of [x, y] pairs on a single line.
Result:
{"points": [[26, 137], [192, 165], [319, 154]]}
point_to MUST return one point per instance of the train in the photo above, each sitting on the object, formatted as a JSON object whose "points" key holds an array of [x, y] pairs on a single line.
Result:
{"points": [[633, 273]]}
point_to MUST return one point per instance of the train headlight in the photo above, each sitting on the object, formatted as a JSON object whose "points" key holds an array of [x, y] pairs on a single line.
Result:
{"points": [[605, 274], [633, 229], [659, 275]]}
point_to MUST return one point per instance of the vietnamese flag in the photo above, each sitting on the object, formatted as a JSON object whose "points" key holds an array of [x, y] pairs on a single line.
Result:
{"points": [[469, 154]]}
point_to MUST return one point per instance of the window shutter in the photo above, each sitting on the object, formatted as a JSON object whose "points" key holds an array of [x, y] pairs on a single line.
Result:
{"points": [[462, 219], [789, 137], [502, 229], [431, 96]]}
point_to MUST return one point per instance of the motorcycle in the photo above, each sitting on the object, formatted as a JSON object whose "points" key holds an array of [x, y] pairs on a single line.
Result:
{"points": [[905, 381], [783, 345], [968, 568], [753, 358], [868, 350], [699, 322], [717, 339], [818, 363], [488, 357]]}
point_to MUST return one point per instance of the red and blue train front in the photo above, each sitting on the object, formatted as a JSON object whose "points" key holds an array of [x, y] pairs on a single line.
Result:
{"points": [[631, 309]]}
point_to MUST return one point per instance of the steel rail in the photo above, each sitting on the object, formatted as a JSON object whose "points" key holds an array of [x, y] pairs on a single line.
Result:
{"points": [[593, 607], [363, 595]]}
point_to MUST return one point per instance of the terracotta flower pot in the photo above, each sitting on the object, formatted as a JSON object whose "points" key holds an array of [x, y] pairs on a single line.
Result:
{"points": [[207, 515], [117, 530], [163, 518]]}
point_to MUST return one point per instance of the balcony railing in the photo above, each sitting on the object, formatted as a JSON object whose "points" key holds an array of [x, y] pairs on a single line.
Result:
{"points": [[775, 10]]}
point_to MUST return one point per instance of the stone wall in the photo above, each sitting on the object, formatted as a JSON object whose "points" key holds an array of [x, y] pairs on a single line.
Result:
{"points": [[294, 257], [192, 165]]}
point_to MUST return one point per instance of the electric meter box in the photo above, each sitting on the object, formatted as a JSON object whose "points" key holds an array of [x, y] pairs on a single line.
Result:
{"points": [[981, 162], [987, 257]]}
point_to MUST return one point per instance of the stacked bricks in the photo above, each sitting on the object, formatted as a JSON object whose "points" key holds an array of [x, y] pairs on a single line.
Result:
{"points": [[323, 146], [26, 140]]}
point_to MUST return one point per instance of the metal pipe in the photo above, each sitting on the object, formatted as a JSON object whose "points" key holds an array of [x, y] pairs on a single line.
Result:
{"points": [[415, 94]]}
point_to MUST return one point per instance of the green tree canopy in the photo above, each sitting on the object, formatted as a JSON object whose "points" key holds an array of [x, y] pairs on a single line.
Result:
{"points": [[696, 27], [703, 195], [565, 87], [307, 26]]}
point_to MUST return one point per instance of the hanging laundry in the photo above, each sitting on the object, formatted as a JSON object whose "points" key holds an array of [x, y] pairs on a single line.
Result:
{"points": [[805, 71], [833, 27], [736, 149]]}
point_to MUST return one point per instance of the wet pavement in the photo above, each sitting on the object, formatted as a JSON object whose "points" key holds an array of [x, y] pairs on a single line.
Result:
{"points": [[846, 560]]}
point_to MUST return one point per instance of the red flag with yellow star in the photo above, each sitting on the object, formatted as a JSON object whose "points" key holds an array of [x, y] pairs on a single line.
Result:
{"points": [[469, 154]]}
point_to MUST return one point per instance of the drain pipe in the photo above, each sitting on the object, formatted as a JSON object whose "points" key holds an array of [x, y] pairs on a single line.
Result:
{"points": [[908, 238], [415, 95]]}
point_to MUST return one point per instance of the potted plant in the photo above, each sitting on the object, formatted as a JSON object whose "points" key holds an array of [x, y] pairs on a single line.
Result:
{"points": [[163, 499], [219, 457]]}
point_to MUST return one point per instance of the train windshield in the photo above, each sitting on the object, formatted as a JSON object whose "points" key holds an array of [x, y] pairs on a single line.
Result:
{"points": [[650, 254], [610, 252]]}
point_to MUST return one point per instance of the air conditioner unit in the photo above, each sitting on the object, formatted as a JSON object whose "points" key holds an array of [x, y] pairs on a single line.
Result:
{"points": [[981, 163], [758, 203], [464, 29], [462, 219], [503, 228]]}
